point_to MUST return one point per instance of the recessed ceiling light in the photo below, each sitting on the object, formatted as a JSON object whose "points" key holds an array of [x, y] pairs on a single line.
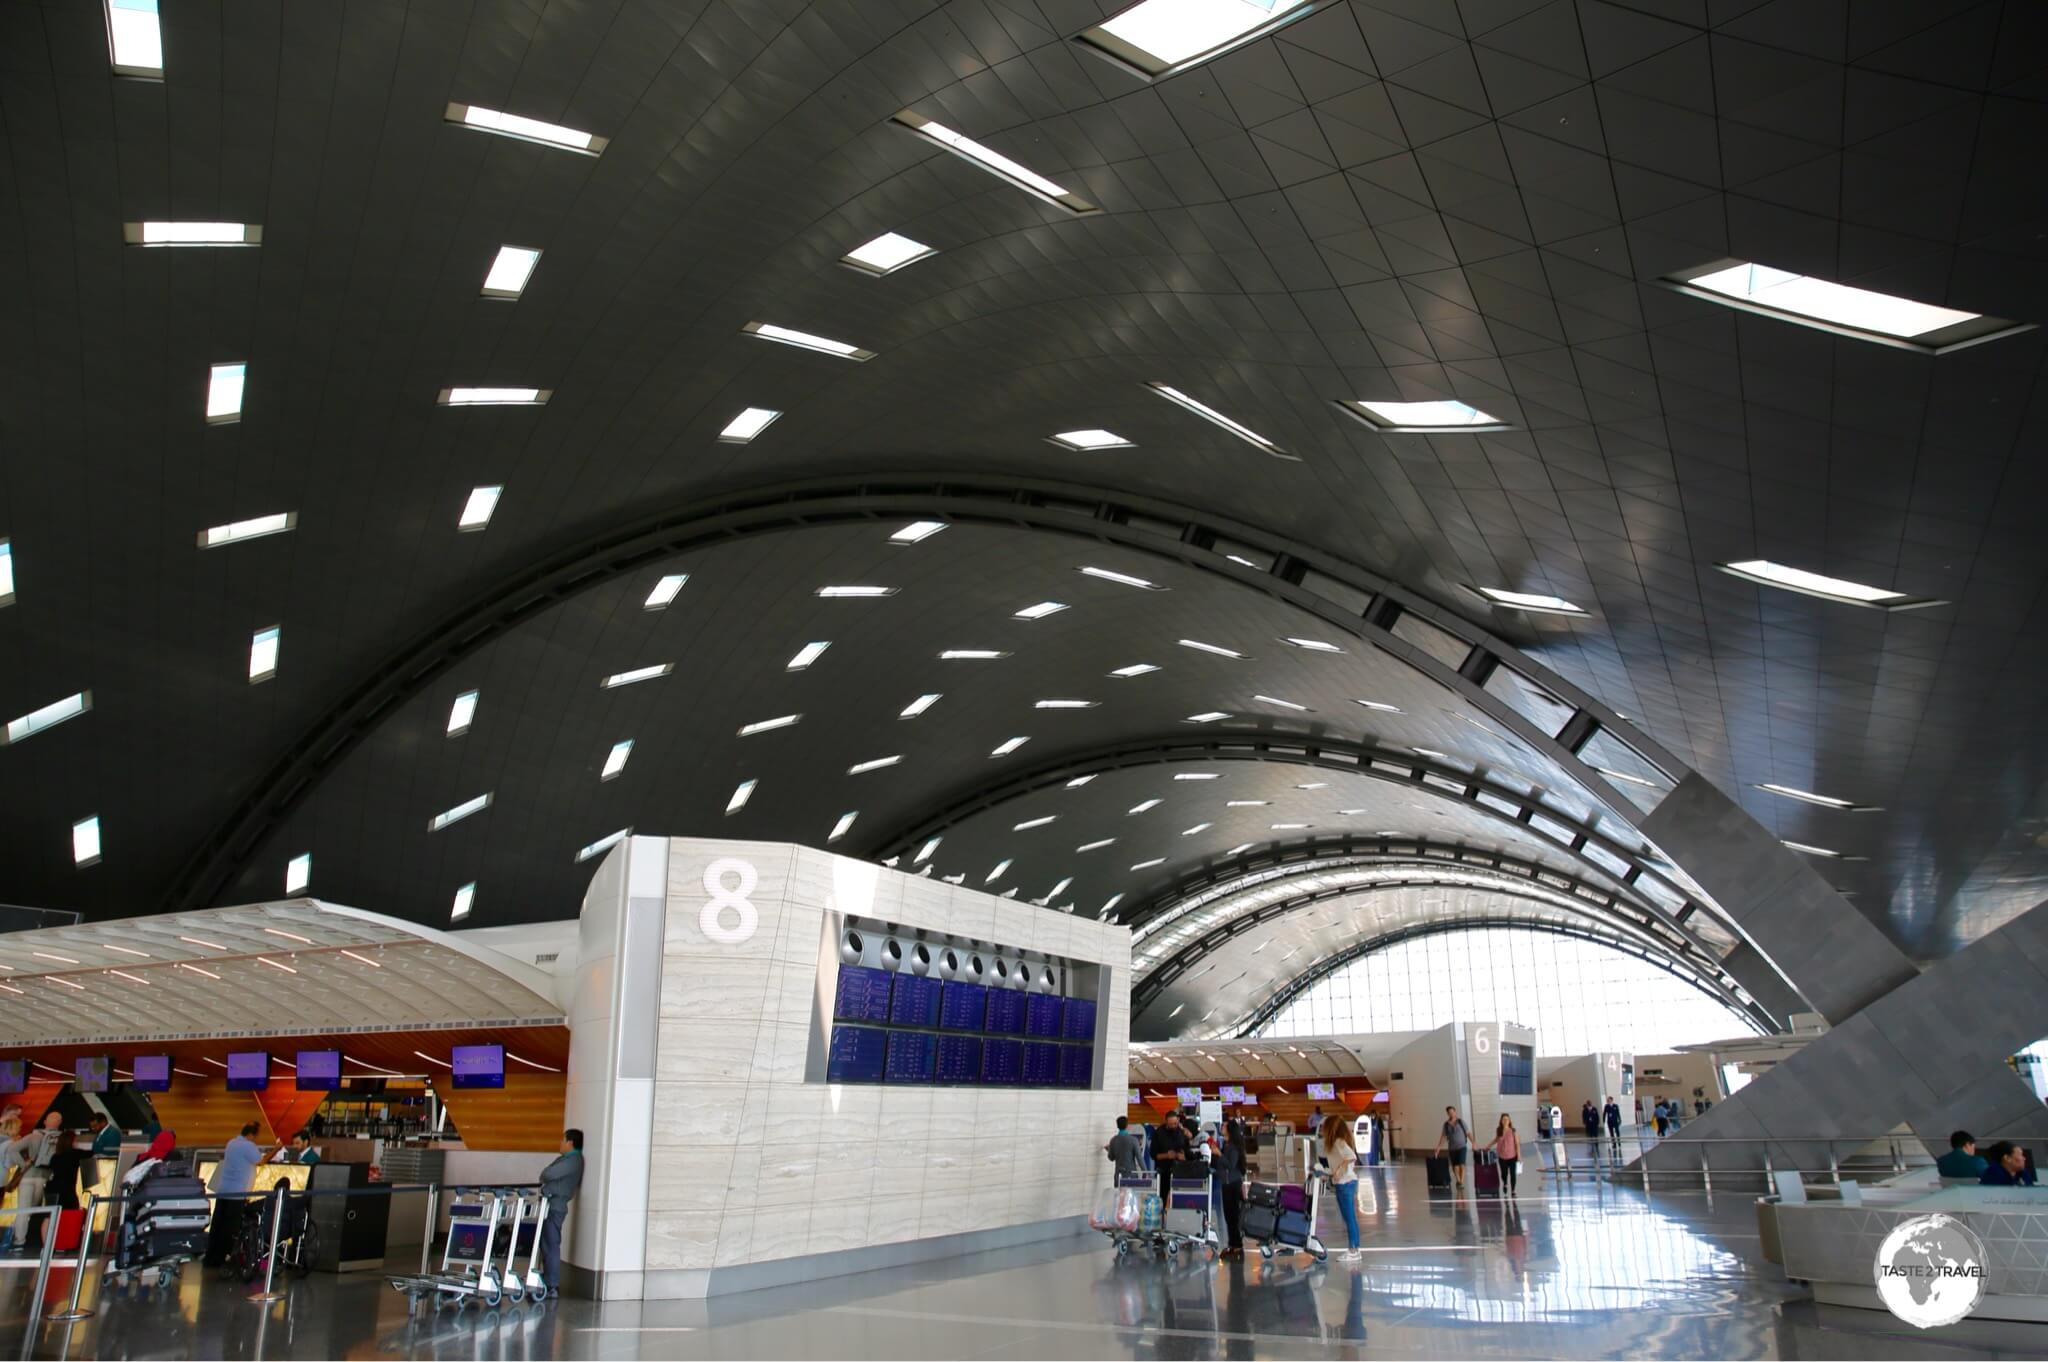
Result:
{"points": [[85, 841], [917, 531], [995, 874], [1090, 440], [1157, 38], [1141, 807], [1217, 649], [135, 43], [843, 826], [1535, 602], [1078, 781], [617, 679], [526, 129], [1207, 716], [1196, 775], [768, 725], [263, 649], [219, 536], [874, 765], [1096, 846], [1210, 414], [1246, 803], [1376, 705], [746, 425], [465, 899], [855, 593], [1199, 827], [1289, 827], [1825, 801], [1039, 611], [462, 713], [665, 590], [510, 271], [995, 163], [615, 760], [1122, 578], [459, 812], [1135, 669], [478, 510], [495, 397], [192, 233], [924, 853], [1284, 704], [741, 793], [1424, 418], [920, 705], [1065, 704], [1840, 309], [886, 254], [971, 655], [603, 844], [298, 872], [1766, 573], [1007, 746], [1034, 822], [224, 393], [806, 655], [1147, 865], [804, 340]]}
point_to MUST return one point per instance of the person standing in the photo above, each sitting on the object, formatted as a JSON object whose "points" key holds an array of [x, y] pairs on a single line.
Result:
{"points": [[1230, 1170], [106, 1144], [1589, 1116], [1453, 1143], [1507, 1149], [232, 1177], [1340, 1151], [1125, 1150], [26, 1167], [1169, 1152], [1657, 1115], [559, 1182], [1613, 1115]]}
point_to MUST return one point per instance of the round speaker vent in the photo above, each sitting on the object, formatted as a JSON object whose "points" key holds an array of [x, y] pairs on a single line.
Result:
{"points": [[892, 954], [920, 960], [975, 968], [1047, 978], [851, 948]]}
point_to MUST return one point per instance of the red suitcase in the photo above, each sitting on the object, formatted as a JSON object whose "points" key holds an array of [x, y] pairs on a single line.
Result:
{"points": [[70, 1228], [1485, 1174]]}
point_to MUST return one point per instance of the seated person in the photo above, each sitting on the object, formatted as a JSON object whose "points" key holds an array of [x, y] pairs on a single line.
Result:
{"points": [[2009, 1166], [1962, 1159]]}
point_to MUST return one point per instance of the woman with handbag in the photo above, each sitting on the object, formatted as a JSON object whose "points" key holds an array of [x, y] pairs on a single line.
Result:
{"points": [[1507, 1149]]}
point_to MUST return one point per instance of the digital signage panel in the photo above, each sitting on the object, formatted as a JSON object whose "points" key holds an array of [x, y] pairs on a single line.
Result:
{"points": [[959, 1060], [914, 1001], [1002, 1061], [1188, 1097], [13, 1075], [911, 1054], [1230, 1093], [477, 1066], [318, 1071], [248, 1070], [93, 1073], [858, 1054], [152, 1073], [863, 995], [1078, 1022], [1005, 1012], [962, 1007], [1077, 1065], [1322, 1092], [1041, 1014], [1041, 1064]]}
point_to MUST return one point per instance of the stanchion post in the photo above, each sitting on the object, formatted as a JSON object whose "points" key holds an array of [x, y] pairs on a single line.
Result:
{"points": [[85, 1237], [269, 1292], [35, 1300], [433, 1214]]}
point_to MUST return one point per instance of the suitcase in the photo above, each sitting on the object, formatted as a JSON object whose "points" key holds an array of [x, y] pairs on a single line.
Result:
{"points": [[1439, 1170], [1293, 1198], [70, 1228], [1260, 1223], [1292, 1229], [1151, 1213], [1262, 1194], [1185, 1221], [1486, 1175]]}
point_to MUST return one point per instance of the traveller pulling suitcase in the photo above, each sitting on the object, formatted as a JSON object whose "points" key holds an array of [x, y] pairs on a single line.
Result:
{"points": [[1485, 1173]]}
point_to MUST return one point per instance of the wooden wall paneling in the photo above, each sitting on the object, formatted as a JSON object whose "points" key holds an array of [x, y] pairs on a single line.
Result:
{"points": [[204, 1114], [526, 1114], [286, 1110]]}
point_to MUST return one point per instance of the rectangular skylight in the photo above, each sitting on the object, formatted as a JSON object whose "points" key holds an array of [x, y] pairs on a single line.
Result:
{"points": [[995, 163], [1284, 704], [843, 826], [298, 872], [838, 593], [1090, 440], [804, 340], [1218, 650], [919, 705], [1196, 775], [746, 425], [477, 511], [1207, 716], [874, 764], [1122, 578], [1065, 704], [1840, 309], [768, 725], [1531, 601], [617, 679], [526, 129], [6, 572], [1096, 846], [806, 655], [85, 841], [1157, 38], [615, 760], [603, 844], [224, 385], [263, 650], [1147, 865], [465, 899], [192, 233], [494, 397], [1040, 610], [1135, 669], [917, 531], [459, 812], [49, 716], [135, 42], [996, 873], [254, 528], [924, 853], [1143, 805], [886, 254], [665, 590], [741, 793], [510, 271], [1809, 797], [1007, 746], [462, 713], [1030, 823], [1766, 573], [971, 654], [1215, 417], [1424, 418]]}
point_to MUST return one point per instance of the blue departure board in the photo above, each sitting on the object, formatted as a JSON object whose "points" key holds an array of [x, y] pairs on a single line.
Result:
{"points": [[1077, 1064], [1078, 1022], [959, 1060], [915, 1001], [1041, 1064], [963, 1007], [858, 1053], [1005, 1012], [863, 995], [1002, 1061], [910, 1056], [1041, 1014]]}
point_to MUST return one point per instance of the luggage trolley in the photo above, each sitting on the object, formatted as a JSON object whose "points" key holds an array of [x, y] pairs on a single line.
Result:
{"points": [[1187, 1216], [481, 1225], [1282, 1219], [1120, 1211]]}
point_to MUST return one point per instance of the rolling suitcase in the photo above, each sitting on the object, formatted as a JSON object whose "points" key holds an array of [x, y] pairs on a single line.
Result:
{"points": [[1292, 1229], [1439, 1167], [1485, 1173], [70, 1226]]}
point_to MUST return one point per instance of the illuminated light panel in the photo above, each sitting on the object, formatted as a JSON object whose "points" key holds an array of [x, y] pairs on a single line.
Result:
{"points": [[140, 955], [1284, 704], [886, 254], [971, 655], [131, 978], [1378, 706], [1239, 848], [526, 129], [459, 812], [804, 340], [1246, 803], [665, 590], [1207, 716], [1078, 781], [1429, 752], [1839, 309], [6, 571], [1314, 645], [1199, 827], [995, 163], [919, 705], [997, 873], [266, 960], [224, 393], [875, 764], [747, 425], [617, 679], [289, 936], [192, 233], [298, 872], [1096, 846], [603, 844], [211, 975], [843, 826], [219, 536], [854, 593], [1039, 611], [1627, 779], [741, 793], [1214, 417], [615, 760], [1007, 746], [1141, 807], [917, 531], [1114, 900], [806, 655], [510, 271], [1147, 865], [1814, 850], [1289, 827], [1121, 578], [49, 716], [1764, 572], [1090, 440], [1059, 888], [372, 964], [1424, 418], [135, 41], [49, 955], [1314, 785], [1197, 775], [85, 841], [1066, 704], [1135, 669], [924, 853], [477, 511], [263, 649], [1531, 600], [495, 397], [768, 725], [60, 979], [1158, 38], [1218, 650]]}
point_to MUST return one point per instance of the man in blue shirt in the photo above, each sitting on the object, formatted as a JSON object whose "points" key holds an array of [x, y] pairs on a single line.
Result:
{"points": [[106, 1144], [1962, 1159], [559, 1181], [2008, 1166], [230, 1187]]}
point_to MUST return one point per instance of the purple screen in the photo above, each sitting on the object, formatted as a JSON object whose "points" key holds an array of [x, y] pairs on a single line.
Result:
{"points": [[478, 1066], [153, 1073], [93, 1073], [248, 1070], [319, 1070], [13, 1075]]}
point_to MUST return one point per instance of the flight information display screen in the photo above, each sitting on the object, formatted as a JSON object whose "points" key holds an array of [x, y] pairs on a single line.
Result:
{"points": [[474, 1066], [1005, 1012], [1042, 1014], [1041, 1064], [1002, 1061], [1229, 1093], [152, 1073], [959, 1060], [93, 1073], [911, 1054], [1078, 1022], [1322, 1092], [915, 1001], [1188, 1097], [248, 1070], [13, 1075], [319, 1070], [863, 995], [858, 1054], [962, 1007], [1077, 1065]]}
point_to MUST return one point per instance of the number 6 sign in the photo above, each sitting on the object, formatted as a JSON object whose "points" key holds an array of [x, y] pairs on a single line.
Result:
{"points": [[1482, 1041], [712, 920]]}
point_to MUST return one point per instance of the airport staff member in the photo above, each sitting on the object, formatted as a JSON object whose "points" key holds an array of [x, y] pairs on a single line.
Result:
{"points": [[301, 1151], [559, 1181], [106, 1144], [230, 1188]]}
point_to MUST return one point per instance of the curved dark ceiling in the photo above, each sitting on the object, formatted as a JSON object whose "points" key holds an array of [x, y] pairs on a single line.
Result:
{"points": [[1382, 201]]}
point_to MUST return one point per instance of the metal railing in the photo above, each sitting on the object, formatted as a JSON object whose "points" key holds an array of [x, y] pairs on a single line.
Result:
{"points": [[1768, 1155]]}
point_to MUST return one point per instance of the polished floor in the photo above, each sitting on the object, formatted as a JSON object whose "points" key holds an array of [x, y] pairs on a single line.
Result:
{"points": [[1584, 1270]]}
